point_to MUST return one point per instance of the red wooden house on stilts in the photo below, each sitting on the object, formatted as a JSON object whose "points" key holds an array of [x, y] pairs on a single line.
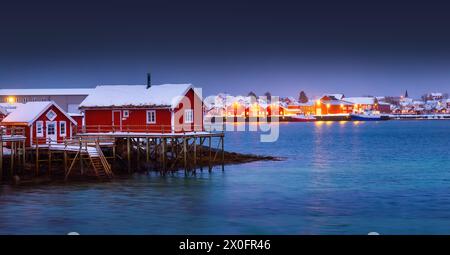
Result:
{"points": [[169, 108]]}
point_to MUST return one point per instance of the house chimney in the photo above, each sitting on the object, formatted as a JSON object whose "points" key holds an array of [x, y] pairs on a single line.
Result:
{"points": [[149, 80]]}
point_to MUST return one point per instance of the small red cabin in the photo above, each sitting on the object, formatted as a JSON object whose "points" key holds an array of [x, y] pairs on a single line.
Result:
{"points": [[43, 122], [169, 108], [331, 105], [78, 118]]}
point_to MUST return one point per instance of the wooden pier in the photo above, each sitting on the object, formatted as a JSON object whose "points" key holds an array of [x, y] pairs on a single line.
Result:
{"points": [[104, 154], [15, 150]]}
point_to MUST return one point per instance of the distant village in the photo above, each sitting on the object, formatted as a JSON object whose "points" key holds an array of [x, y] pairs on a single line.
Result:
{"points": [[328, 104]]}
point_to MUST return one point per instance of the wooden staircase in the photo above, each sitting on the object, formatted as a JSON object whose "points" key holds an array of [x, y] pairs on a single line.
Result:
{"points": [[99, 163]]}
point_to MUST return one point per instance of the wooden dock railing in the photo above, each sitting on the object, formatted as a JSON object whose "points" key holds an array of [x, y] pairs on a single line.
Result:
{"points": [[148, 128]]}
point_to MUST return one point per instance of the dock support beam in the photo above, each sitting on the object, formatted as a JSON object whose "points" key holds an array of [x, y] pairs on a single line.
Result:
{"points": [[129, 154], [147, 150], [37, 158], [13, 154], [164, 154], [210, 155], [223, 152], [185, 153], [195, 153], [1, 155], [49, 161]]}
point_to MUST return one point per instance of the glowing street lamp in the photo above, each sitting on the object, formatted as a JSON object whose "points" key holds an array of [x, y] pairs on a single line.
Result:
{"points": [[11, 99]]}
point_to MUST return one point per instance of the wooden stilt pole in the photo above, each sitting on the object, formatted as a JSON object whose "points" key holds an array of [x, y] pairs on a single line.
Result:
{"points": [[201, 152], [223, 152], [163, 154], [176, 147], [129, 154], [24, 152], [210, 154], [138, 151], [37, 157], [114, 149], [13, 149], [65, 158], [81, 157], [49, 160], [147, 150], [185, 153], [81, 164], [1, 154], [195, 153]]}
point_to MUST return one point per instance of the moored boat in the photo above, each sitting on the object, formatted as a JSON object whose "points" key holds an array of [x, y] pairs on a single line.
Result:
{"points": [[368, 117], [302, 118]]}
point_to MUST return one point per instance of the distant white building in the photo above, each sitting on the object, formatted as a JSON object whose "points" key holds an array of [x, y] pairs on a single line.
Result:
{"points": [[436, 96], [68, 99]]}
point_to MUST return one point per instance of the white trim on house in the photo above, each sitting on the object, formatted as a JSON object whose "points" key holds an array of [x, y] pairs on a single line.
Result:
{"points": [[188, 117], [149, 118], [53, 137], [65, 128], [120, 119], [31, 134], [172, 120], [41, 123]]}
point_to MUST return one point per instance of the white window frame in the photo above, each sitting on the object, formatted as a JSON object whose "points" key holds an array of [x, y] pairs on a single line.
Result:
{"points": [[188, 113], [41, 124], [126, 113], [53, 117], [149, 121], [65, 129]]}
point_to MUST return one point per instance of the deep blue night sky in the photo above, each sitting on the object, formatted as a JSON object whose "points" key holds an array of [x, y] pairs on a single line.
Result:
{"points": [[365, 48]]}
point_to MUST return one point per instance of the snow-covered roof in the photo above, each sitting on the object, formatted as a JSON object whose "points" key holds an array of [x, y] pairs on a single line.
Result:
{"points": [[166, 95], [3, 110], [29, 112], [333, 100], [44, 92], [309, 103], [360, 100], [338, 96], [10, 107]]}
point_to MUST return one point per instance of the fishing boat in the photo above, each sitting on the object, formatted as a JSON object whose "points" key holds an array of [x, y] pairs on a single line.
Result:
{"points": [[368, 117], [302, 118]]}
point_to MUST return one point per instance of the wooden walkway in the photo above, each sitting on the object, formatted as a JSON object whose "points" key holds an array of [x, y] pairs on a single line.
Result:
{"points": [[16, 138]]}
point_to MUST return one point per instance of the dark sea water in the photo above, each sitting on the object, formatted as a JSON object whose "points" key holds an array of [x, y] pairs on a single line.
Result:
{"points": [[391, 177]]}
